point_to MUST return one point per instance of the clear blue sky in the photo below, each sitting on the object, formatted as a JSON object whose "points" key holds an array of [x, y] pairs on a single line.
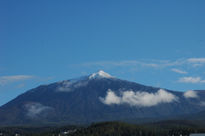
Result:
{"points": [[157, 43]]}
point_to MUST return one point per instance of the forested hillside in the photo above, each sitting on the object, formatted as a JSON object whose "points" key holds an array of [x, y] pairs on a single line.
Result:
{"points": [[165, 128]]}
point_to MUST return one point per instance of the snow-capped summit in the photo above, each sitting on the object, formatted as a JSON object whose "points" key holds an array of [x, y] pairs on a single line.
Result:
{"points": [[100, 74], [99, 97]]}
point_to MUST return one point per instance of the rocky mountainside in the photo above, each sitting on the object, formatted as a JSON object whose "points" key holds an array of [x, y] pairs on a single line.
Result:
{"points": [[98, 97]]}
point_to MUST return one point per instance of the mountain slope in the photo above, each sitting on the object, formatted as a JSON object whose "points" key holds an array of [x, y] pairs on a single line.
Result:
{"points": [[94, 98]]}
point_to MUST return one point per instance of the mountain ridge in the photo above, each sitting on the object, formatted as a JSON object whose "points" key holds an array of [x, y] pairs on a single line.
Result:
{"points": [[100, 98]]}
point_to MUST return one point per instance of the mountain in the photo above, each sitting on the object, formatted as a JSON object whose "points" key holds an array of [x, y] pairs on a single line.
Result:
{"points": [[98, 97]]}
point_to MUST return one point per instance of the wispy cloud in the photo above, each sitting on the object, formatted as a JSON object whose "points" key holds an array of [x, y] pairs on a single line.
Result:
{"points": [[20, 85], [137, 63], [202, 103], [178, 71], [153, 63], [9, 79], [191, 94], [121, 63], [196, 60], [34, 109], [191, 80], [138, 98], [69, 85]]}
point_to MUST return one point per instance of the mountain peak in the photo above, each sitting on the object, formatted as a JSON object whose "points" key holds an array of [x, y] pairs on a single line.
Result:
{"points": [[100, 74]]}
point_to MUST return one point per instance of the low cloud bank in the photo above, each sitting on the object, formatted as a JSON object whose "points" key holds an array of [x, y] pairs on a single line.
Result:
{"points": [[141, 99], [190, 94]]}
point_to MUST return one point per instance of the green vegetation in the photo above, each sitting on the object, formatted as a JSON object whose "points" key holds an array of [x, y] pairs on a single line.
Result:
{"points": [[124, 129], [165, 128]]}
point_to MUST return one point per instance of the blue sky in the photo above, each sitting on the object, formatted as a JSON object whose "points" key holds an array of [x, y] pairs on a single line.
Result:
{"points": [[157, 43]]}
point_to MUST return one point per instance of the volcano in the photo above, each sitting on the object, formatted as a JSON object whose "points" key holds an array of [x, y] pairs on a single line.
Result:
{"points": [[98, 97]]}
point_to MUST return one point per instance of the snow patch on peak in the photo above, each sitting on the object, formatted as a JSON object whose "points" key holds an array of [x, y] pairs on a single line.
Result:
{"points": [[100, 74]]}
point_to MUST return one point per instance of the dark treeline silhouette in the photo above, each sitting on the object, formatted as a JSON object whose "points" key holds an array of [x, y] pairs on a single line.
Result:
{"points": [[167, 128]]}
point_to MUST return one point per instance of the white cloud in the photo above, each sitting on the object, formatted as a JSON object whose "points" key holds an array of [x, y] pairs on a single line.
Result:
{"points": [[121, 63], [196, 60], [190, 94], [67, 86], [80, 84], [179, 71], [34, 109], [111, 98], [149, 63], [9, 79], [191, 80], [139, 63], [141, 99]]}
